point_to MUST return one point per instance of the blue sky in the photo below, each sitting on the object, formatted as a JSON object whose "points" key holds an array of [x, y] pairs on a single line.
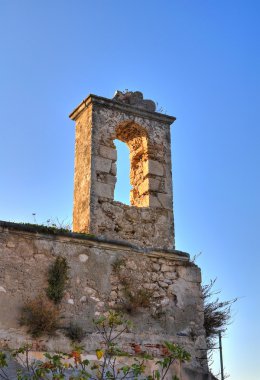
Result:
{"points": [[199, 59]]}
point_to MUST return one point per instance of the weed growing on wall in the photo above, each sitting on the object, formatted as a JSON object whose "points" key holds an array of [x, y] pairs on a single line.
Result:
{"points": [[40, 316], [134, 295], [57, 279]]}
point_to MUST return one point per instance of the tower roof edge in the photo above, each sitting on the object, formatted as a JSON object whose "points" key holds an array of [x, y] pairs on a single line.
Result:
{"points": [[111, 103]]}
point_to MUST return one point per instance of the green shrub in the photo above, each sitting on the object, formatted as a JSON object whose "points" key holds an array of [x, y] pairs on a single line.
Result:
{"points": [[57, 279]]}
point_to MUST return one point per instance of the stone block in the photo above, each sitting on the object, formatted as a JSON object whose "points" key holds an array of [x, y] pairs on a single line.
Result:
{"points": [[108, 152], [113, 168], [111, 179], [103, 164], [163, 284], [154, 184], [104, 190], [153, 167], [144, 187], [149, 184], [153, 201], [191, 274], [166, 268], [113, 295], [132, 214], [83, 258], [156, 267], [163, 220], [165, 200], [145, 200], [171, 275], [165, 301], [154, 276], [131, 265]]}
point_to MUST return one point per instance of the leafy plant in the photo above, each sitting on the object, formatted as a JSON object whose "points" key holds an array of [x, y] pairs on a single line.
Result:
{"points": [[111, 327], [175, 352], [107, 366], [57, 279], [135, 296], [75, 332], [40, 316]]}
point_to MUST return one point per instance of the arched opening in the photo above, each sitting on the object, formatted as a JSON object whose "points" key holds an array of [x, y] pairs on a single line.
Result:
{"points": [[122, 187], [135, 137]]}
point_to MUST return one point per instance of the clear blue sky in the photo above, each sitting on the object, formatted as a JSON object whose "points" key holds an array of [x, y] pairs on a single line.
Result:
{"points": [[199, 59]]}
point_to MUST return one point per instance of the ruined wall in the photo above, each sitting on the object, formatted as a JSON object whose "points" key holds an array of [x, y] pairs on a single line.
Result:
{"points": [[82, 173], [128, 262], [148, 222], [175, 312]]}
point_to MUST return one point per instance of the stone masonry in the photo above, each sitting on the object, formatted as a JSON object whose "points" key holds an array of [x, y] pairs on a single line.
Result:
{"points": [[148, 222], [175, 312]]}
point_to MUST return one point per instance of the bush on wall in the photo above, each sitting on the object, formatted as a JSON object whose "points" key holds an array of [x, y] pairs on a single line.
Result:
{"points": [[57, 279], [40, 316]]}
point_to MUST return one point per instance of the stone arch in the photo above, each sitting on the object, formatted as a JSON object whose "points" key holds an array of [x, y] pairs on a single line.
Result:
{"points": [[136, 138]]}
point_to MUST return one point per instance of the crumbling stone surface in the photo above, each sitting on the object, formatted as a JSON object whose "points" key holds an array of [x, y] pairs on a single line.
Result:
{"points": [[135, 99], [175, 311], [148, 222]]}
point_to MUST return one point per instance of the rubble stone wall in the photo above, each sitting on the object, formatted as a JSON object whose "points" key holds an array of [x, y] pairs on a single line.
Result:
{"points": [[175, 310]]}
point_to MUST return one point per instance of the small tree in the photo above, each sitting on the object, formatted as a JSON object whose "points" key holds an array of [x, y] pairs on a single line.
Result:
{"points": [[217, 314]]}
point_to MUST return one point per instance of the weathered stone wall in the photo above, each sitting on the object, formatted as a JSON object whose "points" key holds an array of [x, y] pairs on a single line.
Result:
{"points": [[149, 221], [82, 173], [175, 312]]}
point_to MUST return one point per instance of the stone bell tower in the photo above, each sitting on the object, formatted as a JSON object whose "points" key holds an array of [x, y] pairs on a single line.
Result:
{"points": [[148, 222]]}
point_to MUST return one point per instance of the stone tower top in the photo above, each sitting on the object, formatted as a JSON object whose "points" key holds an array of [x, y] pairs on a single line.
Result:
{"points": [[135, 99], [148, 222]]}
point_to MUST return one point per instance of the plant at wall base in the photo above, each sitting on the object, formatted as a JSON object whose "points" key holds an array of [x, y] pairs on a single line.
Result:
{"points": [[109, 359], [40, 316], [57, 279], [75, 332], [175, 352], [3, 365]]}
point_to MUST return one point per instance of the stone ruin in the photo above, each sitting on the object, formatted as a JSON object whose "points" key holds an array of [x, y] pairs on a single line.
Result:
{"points": [[140, 235], [148, 222]]}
